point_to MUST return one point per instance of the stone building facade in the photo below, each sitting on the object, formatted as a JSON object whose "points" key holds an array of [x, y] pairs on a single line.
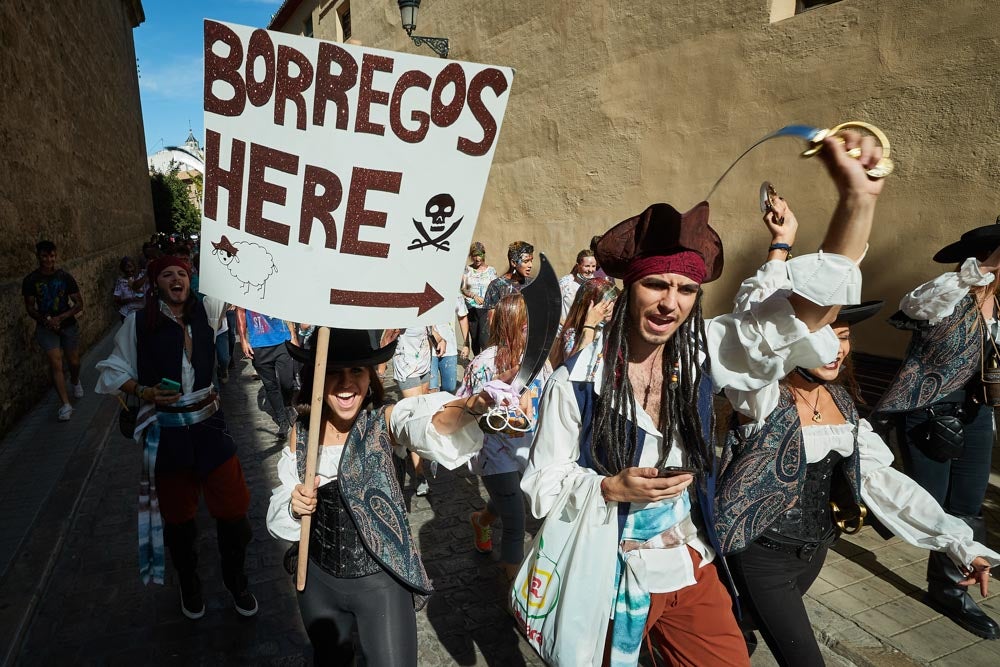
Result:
{"points": [[72, 167], [622, 103]]}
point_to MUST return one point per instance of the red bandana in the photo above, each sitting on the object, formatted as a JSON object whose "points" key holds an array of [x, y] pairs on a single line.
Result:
{"points": [[686, 263]]}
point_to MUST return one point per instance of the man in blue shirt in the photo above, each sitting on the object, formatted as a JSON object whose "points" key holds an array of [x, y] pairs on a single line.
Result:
{"points": [[52, 298], [263, 339]]}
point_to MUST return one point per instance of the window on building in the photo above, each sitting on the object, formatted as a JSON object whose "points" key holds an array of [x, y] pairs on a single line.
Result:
{"points": [[345, 20], [806, 5], [783, 9], [307, 26]]}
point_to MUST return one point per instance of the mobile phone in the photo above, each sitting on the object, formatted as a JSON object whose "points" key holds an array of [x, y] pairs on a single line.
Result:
{"points": [[672, 471], [170, 385]]}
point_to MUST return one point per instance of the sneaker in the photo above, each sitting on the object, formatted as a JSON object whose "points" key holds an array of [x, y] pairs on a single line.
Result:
{"points": [[192, 604], [65, 412], [78, 390], [482, 536], [423, 488], [245, 604]]}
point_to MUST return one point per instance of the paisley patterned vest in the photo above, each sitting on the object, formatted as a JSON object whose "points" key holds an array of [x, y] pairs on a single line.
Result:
{"points": [[763, 474], [940, 360], [373, 500]]}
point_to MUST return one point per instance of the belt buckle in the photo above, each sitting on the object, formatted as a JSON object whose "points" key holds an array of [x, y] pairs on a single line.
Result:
{"points": [[808, 551]]}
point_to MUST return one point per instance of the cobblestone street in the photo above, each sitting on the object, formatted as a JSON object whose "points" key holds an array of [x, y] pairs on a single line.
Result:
{"points": [[70, 591], [96, 610]]}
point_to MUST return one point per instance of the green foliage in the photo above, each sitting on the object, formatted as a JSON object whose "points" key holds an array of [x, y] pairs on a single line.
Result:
{"points": [[174, 206]]}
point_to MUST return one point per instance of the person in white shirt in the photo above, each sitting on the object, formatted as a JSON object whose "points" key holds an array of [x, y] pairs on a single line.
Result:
{"points": [[649, 408], [945, 415], [570, 284], [798, 448], [364, 574]]}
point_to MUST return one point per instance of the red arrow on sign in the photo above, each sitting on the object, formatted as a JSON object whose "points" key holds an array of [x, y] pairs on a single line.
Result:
{"points": [[422, 301]]}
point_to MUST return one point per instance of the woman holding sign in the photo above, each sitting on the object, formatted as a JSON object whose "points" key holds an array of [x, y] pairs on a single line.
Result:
{"points": [[364, 571]]}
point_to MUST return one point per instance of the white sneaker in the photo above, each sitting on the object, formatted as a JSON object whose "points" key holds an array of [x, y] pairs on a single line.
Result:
{"points": [[78, 390], [65, 412]]}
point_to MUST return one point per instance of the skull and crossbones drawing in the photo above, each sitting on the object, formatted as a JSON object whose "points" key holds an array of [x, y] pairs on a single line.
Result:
{"points": [[438, 210]]}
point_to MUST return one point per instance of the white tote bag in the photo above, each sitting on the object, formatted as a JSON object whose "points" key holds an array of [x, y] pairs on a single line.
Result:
{"points": [[564, 591]]}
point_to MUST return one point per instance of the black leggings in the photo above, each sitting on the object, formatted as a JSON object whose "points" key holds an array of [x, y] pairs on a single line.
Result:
{"points": [[479, 329], [377, 606], [771, 585]]}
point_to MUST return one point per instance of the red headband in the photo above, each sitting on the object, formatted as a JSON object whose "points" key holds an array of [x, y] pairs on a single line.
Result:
{"points": [[686, 263], [157, 266]]}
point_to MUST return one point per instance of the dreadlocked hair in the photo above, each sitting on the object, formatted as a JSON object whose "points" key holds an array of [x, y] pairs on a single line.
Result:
{"points": [[614, 445]]}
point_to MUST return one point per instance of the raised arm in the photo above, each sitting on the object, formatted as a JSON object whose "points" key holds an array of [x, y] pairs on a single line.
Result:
{"points": [[849, 229]]}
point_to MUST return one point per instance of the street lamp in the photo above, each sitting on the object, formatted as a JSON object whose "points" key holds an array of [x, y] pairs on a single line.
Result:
{"points": [[408, 17]]}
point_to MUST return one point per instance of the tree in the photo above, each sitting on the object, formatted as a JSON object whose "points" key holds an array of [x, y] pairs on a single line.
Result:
{"points": [[174, 207]]}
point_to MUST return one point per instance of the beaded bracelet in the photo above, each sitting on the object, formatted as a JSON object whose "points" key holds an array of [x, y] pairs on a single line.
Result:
{"points": [[780, 246]]}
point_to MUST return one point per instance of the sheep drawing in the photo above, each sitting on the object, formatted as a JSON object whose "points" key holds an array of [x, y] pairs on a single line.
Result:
{"points": [[250, 263]]}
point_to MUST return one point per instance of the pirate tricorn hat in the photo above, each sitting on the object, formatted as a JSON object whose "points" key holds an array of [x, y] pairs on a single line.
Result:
{"points": [[659, 231], [225, 244]]}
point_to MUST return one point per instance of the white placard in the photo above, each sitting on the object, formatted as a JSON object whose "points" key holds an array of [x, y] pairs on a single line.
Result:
{"points": [[342, 183]]}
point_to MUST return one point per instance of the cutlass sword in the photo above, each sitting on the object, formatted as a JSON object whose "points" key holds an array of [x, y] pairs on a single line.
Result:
{"points": [[815, 136], [543, 301]]}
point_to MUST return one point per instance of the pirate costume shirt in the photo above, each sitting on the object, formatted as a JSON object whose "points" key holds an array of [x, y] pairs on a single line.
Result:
{"points": [[748, 350], [896, 500]]}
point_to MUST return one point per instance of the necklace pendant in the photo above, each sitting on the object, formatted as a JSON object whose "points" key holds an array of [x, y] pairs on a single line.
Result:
{"points": [[817, 417]]}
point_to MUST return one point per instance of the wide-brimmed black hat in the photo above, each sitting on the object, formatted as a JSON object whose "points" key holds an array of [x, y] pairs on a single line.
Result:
{"points": [[973, 243], [348, 348], [859, 313]]}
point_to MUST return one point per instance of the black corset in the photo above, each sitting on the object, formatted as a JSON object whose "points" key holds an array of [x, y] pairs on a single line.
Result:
{"points": [[336, 546], [809, 520]]}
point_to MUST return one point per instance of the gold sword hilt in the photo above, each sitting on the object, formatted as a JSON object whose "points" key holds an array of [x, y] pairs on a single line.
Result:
{"points": [[883, 168]]}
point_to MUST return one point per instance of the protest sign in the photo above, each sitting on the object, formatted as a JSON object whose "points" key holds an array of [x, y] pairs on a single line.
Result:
{"points": [[342, 183]]}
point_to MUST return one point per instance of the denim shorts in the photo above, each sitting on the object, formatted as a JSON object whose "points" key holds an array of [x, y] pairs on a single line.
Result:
{"points": [[415, 381], [67, 338]]}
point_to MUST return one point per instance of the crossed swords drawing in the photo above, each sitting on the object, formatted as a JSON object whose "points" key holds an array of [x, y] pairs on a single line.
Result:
{"points": [[440, 242]]}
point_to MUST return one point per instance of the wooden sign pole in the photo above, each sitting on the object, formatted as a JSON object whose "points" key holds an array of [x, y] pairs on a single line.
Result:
{"points": [[312, 449]]}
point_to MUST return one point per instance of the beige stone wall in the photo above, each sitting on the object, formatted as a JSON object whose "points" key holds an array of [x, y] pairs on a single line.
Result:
{"points": [[325, 19], [619, 104], [72, 167]]}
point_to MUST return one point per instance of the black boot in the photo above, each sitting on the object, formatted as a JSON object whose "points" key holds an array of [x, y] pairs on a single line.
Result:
{"points": [[234, 536], [946, 596], [180, 538]]}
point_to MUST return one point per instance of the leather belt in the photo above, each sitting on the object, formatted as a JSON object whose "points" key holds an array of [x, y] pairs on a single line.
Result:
{"points": [[194, 407], [803, 550], [677, 535]]}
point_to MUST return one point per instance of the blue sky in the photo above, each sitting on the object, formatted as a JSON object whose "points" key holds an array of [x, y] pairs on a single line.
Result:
{"points": [[168, 47]]}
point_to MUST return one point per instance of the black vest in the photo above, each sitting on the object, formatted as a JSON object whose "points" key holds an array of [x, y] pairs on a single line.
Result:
{"points": [[160, 348], [810, 518], [337, 545]]}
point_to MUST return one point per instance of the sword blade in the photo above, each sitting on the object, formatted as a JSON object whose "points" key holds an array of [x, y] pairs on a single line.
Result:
{"points": [[543, 301]]}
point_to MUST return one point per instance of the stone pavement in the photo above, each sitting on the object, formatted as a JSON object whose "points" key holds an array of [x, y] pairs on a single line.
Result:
{"points": [[70, 592]]}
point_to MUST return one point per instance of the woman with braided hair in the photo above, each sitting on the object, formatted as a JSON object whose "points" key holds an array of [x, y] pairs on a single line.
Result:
{"points": [[642, 430]]}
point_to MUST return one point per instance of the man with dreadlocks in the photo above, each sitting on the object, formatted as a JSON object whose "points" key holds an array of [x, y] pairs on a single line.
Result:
{"points": [[662, 363]]}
